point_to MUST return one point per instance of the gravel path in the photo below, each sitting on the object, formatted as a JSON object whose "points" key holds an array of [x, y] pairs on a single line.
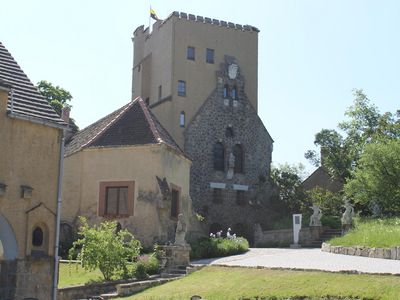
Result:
{"points": [[309, 259]]}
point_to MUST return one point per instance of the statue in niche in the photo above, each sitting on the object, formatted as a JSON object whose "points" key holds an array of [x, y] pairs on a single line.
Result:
{"points": [[180, 232], [231, 166], [315, 219]]}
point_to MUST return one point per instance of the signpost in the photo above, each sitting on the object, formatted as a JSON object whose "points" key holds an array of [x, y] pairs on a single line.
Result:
{"points": [[296, 230]]}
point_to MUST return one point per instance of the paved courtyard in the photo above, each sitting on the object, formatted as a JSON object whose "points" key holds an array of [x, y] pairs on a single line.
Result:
{"points": [[309, 259]]}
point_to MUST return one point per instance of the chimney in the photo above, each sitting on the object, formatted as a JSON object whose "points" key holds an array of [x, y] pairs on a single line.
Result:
{"points": [[65, 114], [324, 155]]}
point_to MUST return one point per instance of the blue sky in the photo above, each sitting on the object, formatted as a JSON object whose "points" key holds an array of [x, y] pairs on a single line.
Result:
{"points": [[312, 53]]}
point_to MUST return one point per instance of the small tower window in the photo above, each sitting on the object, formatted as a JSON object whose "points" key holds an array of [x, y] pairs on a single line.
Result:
{"points": [[234, 93], [37, 237], [190, 53], [159, 92], [219, 157], [181, 88], [210, 56], [182, 119], [226, 91]]}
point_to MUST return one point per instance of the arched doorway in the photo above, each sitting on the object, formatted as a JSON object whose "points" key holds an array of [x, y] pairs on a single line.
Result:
{"points": [[7, 240]]}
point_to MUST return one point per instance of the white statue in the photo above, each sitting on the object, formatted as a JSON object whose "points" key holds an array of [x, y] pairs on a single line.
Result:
{"points": [[315, 219], [347, 217], [231, 166], [180, 232]]}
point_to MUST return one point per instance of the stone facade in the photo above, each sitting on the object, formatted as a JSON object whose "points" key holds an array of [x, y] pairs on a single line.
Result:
{"points": [[229, 120]]}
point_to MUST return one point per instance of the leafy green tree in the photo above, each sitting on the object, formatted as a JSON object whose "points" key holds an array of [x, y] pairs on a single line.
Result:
{"points": [[376, 178], [329, 202], [365, 125], [58, 98], [287, 179], [101, 246]]}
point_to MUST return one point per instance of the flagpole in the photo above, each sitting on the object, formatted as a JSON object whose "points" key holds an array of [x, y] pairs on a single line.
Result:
{"points": [[149, 18]]}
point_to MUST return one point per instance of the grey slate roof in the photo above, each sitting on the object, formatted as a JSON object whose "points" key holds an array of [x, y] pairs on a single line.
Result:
{"points": [[132, 124], [28, 101]]}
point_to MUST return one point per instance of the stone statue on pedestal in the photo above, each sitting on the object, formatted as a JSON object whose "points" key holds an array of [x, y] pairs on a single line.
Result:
{"points": [[180, 232], [347, 217], [315, 219]]}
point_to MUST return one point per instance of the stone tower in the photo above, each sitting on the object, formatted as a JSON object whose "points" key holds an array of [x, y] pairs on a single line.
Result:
{"points": [[199, 77]]}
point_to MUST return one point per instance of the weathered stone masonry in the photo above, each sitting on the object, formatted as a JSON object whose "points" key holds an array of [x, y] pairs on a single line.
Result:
{"points": [[208, 127]]}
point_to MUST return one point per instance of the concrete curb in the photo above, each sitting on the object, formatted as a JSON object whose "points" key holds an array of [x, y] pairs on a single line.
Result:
{"points": [[385, 253]]}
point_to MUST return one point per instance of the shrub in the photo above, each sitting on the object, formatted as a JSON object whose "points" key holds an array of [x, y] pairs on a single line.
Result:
{"points": [[101, 246], [150, 263], [218, 246], [331, 221]]}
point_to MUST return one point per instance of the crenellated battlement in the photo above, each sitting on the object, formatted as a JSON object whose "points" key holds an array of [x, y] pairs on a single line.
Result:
{"points": [[201, 19]]}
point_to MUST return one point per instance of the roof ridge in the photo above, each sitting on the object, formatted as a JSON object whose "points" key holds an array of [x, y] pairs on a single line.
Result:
{"points": [[101, 131], [149, 119]]}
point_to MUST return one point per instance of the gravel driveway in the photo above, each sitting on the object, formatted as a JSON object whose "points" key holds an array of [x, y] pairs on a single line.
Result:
{"points": [[306, 259]]}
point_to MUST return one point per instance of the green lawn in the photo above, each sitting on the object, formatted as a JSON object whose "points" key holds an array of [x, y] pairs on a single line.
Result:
{"points": [[381, 233], [73, 274], [246, 283]]}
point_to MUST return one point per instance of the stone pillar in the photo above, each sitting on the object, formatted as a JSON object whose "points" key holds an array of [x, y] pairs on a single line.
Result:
{"points": [[176, 257]]}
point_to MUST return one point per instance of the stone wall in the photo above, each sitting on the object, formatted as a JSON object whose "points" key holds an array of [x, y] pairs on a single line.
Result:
{"points": [[284, 237], [230, 122], [387, 253], [27, 278]]}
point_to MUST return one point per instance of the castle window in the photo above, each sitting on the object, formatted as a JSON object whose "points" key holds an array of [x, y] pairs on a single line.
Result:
{"points": [[238, 154], [229, 132], [226, 91], [37, 237], [147, 101], [181, 88], [217, 196], [174, 202], [190, 53], [116, 199], [210, 56], [219, 157], [240, 198], [234, 93], [159, 92], [182, 119]]}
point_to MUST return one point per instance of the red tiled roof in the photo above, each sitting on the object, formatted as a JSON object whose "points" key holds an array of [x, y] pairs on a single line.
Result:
{"points": [[132, 124]]}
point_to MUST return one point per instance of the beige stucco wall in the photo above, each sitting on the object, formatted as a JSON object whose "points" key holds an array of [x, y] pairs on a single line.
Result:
{"points": [[29, 155], [85, 170], [167, 45]]}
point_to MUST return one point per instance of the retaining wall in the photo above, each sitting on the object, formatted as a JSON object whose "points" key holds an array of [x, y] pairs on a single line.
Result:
{"points": [[386, 253]]}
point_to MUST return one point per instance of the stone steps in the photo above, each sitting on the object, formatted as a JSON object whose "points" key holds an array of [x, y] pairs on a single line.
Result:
{"points": [[325, 236]]}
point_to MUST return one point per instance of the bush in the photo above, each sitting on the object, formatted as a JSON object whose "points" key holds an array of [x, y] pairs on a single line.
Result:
{"points": [[101, 246], [140, 271], [150, 263], [331, 222], [218, 246]]}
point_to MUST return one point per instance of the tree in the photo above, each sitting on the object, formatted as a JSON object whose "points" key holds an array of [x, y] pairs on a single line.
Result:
{"points": [[101, 246], [365, 125], [329, 202], [376, 179], [288, 179], [58, 98]]}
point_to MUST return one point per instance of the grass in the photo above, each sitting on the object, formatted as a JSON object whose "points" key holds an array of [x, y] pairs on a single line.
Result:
{"points": [[378, 233], [246, 283], [74, 274]]}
